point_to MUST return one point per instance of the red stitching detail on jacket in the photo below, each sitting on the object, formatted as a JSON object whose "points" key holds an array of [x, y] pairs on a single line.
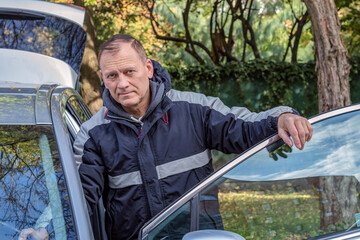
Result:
{"points": [[167, 118]]}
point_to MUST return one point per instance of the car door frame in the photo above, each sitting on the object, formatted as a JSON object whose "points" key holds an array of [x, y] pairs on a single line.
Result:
{"points": [[59, 98], [192, 195]]}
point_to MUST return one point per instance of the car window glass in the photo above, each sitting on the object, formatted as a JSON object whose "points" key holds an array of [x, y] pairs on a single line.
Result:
{"points": [[76, 113], [292, 194], [49, 35], [175, 226], [78, 110], [286, 193], [10, 112], [32, 186]]}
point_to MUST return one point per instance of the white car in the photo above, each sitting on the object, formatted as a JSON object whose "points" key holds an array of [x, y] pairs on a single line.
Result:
{"points": [[41, 48]]}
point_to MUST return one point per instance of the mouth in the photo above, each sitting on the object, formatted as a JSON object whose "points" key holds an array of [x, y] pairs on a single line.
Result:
{"points": [[125, 94]]}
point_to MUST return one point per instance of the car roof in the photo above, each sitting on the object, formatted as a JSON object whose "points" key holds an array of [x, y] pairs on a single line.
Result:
{"points": [[69, 12]]}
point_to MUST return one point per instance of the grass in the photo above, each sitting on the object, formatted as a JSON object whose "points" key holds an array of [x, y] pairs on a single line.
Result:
{"points": [[262, 215]]}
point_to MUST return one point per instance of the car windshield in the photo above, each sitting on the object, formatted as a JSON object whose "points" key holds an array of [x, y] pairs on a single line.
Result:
{"points": [[47, 35], [33, 190]]}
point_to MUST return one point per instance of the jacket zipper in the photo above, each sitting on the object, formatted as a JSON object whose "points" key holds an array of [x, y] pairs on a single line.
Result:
{"points": [[140, 122]]}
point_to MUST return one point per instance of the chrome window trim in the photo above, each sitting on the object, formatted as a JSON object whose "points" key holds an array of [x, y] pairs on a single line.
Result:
{"points": [[42, 104], [148, 227], [74, 127], [78, 204]]}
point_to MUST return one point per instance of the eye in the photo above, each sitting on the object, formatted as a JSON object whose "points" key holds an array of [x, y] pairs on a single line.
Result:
{"points": [[130, 71], [111, 76]]}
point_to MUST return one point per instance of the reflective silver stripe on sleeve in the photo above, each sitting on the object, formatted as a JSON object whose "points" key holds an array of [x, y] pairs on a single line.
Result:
{"points": [[216, 104], [125, 180], [183, 164]]}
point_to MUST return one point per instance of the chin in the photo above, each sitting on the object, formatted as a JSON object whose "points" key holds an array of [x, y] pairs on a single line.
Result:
{"points": [[128, 104]]}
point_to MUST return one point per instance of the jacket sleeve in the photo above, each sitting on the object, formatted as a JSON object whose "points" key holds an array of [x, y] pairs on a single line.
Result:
{"points": [[90, 164], [233, 130]]}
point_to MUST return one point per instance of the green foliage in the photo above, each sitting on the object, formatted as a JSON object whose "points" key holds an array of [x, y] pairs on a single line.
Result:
{"points": [[257, 85], [90, 2], [350, 26], [257, 214], [355, 79], [260, 84], [270, 20]]}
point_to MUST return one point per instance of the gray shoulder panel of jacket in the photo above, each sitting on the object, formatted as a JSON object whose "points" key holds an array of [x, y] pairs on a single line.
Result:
{"points": [[83, 135], [216, 104]]}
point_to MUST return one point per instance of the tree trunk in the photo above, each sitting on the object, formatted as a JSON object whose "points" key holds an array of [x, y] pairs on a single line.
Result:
{"points": [[89, 72], [332, 66]]}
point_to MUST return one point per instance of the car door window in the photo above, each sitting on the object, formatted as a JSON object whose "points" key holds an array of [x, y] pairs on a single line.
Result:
{"points": [[288, 193], [175, 226], [76, 113], [33, 191], [78, 109]]}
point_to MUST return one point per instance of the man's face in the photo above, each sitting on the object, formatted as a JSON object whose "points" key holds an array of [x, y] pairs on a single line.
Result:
{"points": [[127, 77]]}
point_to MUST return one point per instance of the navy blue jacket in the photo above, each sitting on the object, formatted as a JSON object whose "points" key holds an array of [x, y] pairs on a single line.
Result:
{"points": [[141, 166]]}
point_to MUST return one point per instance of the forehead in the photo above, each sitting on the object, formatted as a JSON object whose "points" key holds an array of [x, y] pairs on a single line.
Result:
{"points": [[124, 56]]}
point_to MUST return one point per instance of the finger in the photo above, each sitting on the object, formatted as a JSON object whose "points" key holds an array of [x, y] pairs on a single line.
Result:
{"points": [[285, 137], [311, 129], [25, 233], [301, 131], [41, 233], [307, 132], [293, 131], [307, 129]]}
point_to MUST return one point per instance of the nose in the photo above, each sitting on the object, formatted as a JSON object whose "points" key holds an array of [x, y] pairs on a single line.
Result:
{"points": [[123, 81]]}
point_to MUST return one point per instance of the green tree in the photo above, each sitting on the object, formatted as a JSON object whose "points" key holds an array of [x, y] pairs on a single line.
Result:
{"points": [[223, 30], [350, 27]]}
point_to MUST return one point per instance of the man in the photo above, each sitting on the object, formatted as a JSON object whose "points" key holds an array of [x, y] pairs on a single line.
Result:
{"points": [[149, 143]]}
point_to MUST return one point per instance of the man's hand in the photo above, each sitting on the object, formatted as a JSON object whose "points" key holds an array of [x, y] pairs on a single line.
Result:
{"points": [[40, 234], [297, 127]]}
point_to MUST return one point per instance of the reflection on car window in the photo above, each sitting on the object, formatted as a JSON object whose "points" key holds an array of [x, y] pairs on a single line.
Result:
{"points": [[284, 194], [80, 112], [300, 195], [175, 227], [32, 186], [51, 36]]}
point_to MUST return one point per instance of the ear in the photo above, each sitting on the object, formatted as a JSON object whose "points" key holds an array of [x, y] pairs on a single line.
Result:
{"points": [[150, 68]]}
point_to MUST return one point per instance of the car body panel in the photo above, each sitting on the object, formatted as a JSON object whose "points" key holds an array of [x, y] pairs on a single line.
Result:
{"points": [[74, 14], [35, 68]]}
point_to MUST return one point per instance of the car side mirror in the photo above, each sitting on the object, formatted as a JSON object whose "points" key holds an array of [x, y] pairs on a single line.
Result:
{"points": [[212, 235]]}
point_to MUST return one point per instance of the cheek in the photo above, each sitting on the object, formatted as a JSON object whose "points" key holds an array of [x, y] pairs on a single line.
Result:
{"points": [[111, 85], [145, 86]]}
